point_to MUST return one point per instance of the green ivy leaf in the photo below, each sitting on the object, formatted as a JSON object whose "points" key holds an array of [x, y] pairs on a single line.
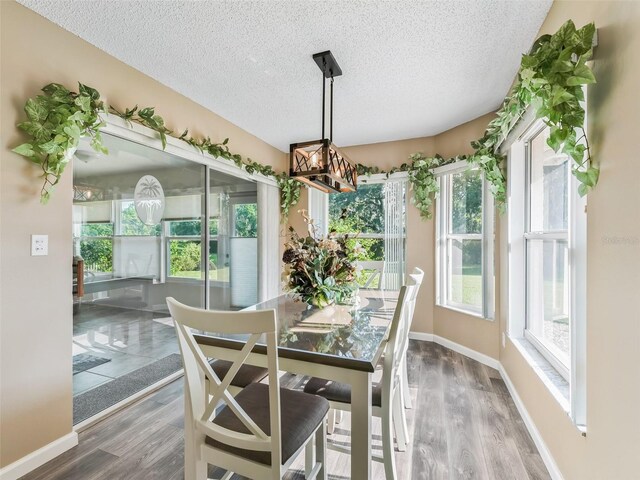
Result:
{"points": [[35, 110], [88, 91], [73, 131], [26, 150], [582, 75]]}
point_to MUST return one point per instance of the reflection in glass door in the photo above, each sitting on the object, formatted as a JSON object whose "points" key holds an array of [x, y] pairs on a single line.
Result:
{"points": [[148, 225], [138, 218], [233, 242]]}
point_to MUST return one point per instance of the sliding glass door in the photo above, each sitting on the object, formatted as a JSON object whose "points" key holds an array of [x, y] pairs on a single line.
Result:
{"points": [[149, 225]]}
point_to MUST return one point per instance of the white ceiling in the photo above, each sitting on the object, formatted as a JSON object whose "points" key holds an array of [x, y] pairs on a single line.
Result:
{"points": [[410, 68]]}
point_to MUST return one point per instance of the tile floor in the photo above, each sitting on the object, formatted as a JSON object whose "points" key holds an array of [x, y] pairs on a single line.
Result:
{"points": [[130, 338]]}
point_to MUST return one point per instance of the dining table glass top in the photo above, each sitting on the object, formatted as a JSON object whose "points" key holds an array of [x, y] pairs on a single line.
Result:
{"points": [[343, 335]]}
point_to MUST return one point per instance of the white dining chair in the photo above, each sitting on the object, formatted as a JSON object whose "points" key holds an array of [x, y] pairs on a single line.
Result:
{"points": [[375, 270], [416, 276], [400, 418], [385, 395], [263, 429]]}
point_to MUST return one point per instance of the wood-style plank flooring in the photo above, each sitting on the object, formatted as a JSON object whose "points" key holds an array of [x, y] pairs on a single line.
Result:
{"points": [[463, 425]]}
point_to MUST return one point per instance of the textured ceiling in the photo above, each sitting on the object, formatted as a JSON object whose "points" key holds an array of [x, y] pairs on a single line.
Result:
{"points": [[410, 68]]}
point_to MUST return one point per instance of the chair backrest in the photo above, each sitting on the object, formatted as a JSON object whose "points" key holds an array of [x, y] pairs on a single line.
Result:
{"points": [[201, 406], [377, 270], [417, 275], [415, 278], [398, 334]]}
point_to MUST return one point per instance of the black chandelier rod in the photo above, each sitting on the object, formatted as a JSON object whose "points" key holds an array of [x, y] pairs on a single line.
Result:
{"points": [[330, 69], [331, 112], [324, 83]]}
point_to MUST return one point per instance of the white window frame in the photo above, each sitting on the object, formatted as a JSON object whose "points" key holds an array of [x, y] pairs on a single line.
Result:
{"points": [[551, 353], [517, 210], [443, 237]]}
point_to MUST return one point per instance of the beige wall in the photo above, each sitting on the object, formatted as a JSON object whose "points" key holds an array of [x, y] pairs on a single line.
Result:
{"points": [[35, 298], [610, 449]]}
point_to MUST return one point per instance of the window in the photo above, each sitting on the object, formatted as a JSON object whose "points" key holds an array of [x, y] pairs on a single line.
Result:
{"points": [[547, 266], [375, 216], [184, 248], [129, 224], [465, 241], [547, 250], [96, 247]]}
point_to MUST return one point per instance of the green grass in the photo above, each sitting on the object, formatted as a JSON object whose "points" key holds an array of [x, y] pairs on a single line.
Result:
{"points": [[467, 288]]}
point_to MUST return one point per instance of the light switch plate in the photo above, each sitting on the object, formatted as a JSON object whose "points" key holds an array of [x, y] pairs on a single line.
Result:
{"points": [[39, 245]]}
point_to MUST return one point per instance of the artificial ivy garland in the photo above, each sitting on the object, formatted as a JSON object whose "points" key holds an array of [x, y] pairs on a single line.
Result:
{"points": [[58, 118], [550, 78]]}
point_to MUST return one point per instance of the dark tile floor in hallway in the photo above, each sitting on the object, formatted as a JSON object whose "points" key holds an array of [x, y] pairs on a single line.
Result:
{"points": [[129, 338]]}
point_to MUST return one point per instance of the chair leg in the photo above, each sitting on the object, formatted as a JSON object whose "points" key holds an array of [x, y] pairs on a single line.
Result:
{"points": [[321, 451], [400, 423], [331, 421], [387, 443], [309, 457], [194, 467], [406, 393], [339, 414]]}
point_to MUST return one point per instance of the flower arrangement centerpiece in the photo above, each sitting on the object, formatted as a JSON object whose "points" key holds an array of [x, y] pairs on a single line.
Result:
{"points": [[320, 270]]}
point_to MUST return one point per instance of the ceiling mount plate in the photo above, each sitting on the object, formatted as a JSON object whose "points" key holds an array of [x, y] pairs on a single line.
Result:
{"points": [[327, 64]]}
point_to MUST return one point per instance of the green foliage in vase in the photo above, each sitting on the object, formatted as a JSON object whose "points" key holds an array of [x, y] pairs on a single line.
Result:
{"points": [[55, 122], [319, 270]]}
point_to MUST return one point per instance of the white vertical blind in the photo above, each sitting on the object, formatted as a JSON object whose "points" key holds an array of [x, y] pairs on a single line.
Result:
{"points": [[268, 241], [394, 234], [244, 288], [319, 209]]}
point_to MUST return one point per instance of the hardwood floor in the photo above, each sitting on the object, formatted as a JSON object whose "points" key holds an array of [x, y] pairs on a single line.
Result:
{"points": [[464, 425]]}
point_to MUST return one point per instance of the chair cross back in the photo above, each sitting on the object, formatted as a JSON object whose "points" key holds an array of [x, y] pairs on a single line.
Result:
{"points": [[197, 368]]}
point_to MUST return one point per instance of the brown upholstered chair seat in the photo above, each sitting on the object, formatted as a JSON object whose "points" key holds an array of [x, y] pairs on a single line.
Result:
{"points": [[301, 414], [340, 392], [247, 374]]}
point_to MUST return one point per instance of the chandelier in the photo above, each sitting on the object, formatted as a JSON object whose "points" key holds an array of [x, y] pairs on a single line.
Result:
{"points": [[319, 163]]}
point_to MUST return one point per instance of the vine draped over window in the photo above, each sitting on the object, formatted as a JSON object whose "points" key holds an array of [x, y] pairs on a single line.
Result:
{"points": [[551, 78]]}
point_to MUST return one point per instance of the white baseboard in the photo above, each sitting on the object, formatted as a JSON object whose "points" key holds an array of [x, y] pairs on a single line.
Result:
{"points": [[38, 458], [547, 458], [424, 337], [456, 347]]}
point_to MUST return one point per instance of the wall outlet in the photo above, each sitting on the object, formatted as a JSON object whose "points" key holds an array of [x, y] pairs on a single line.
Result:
{"points": [[504, 339], [39, 245]]}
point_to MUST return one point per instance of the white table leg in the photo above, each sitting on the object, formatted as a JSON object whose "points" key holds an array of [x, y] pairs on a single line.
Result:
{"points": [[361, 426]]}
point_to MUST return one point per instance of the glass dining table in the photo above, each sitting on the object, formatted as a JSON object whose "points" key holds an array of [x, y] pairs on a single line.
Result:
{"points": [[343, 343]]}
